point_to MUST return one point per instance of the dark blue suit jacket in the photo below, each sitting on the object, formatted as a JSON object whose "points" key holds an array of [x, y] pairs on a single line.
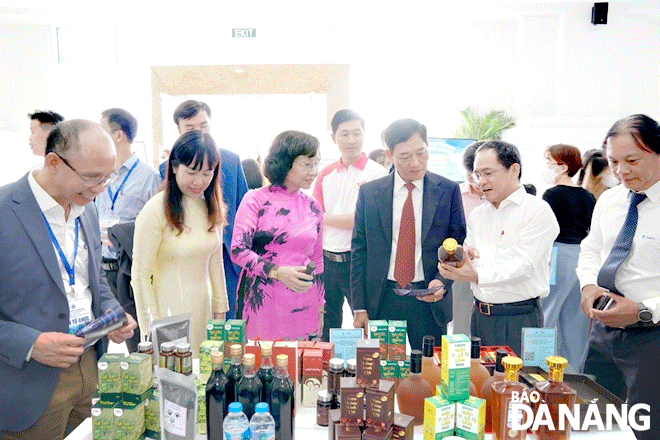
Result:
{"points": [[234, 187], [442, 217], [33, 300]]}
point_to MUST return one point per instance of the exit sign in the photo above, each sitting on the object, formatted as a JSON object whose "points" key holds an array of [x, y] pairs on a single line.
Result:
{"points": [[244, 33]]}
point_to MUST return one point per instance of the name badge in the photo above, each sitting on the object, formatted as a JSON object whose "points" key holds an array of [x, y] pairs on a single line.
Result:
{"points": [[80, 314], [106, 222]]}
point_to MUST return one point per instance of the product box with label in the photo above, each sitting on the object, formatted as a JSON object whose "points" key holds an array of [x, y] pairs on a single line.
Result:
{"points": [[471, 418], [136, 377], [129, 420], [301, 347], [109, 372], [347, 432], [403, 427], [215, 330], [312, 376], [404, 368], [368, 362], [397, 332], [201, 407], [373, 433], [439, 418], [456, 367], [334, 419], [152, 415], [235, 334], [378, 330], [379, 410], [103, 419], [352, 401]]}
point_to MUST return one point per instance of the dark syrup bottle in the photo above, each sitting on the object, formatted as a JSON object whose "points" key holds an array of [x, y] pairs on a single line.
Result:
{"points": [[266, 372], [235, 372], [249, 388], [282, 400], [216, 398]]}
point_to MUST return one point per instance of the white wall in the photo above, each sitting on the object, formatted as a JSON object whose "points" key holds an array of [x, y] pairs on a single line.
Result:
{"points": [[565, 79]]}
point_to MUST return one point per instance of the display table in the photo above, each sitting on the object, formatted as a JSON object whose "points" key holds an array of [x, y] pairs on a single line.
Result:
{"points": [[307, 429]]}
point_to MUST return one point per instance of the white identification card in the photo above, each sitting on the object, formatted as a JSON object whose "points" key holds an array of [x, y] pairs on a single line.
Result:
{"points": [[80, 314]]}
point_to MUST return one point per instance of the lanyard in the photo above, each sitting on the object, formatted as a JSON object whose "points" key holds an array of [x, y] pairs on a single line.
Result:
{"points": [[70, 269], [114, 198]]}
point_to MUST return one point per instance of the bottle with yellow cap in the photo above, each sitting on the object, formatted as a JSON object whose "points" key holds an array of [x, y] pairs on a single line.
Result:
{"points": [[217, 403], [503, 410], [451, 253], [554, 392], [248, 391]]}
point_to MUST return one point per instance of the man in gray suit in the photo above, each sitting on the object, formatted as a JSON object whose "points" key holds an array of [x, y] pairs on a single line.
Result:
{"points": [[51, 284]]}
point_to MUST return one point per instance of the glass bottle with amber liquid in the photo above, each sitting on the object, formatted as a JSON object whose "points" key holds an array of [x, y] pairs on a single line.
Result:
{"points": [[430, 371], [498, 376], [478, 373], [248, 391], [266, 372], [554, 392], [451, 253], [235, 372], [216, 397], [503, 409], [413, 390], [282, 399]]}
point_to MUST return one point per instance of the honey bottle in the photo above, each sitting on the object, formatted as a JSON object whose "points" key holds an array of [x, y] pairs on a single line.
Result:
{"points": [[478, 373], [554, 392], [413, 390], [430, 371], [498, 376], [451, 253], [503, 410]]}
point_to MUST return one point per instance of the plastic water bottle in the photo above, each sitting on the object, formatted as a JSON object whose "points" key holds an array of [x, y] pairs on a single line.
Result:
{"points": [[236, 425], [262, 425]]}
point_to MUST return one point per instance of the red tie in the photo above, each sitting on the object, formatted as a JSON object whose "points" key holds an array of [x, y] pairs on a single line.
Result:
{"points": [[404, 266]]}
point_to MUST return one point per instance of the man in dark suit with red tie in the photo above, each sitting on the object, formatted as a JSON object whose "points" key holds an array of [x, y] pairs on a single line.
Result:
{"points": [[400, 222]]}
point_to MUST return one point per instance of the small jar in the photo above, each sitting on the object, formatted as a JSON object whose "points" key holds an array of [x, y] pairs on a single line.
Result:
{"points": [[166, 356], [351, 368], [146, 347], [183, 362], [335, 372], [323, 407]]}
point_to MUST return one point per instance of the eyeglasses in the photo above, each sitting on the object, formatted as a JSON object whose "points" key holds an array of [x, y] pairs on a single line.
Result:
{"points": [[91, 182], [308, 166], [485, 174]]}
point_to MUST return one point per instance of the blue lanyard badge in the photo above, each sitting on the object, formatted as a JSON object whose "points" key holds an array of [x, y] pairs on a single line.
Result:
{"points": [[113, 198], [70, 268]]}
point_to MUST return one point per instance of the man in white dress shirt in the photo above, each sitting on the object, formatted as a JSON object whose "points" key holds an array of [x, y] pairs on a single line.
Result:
{"points": [[620, 258], [510, 242]]}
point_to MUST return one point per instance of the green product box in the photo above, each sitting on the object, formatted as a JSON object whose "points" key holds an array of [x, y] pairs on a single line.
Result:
{"points": [[471, 418], [152, 415], [129, 420], [109, 372], [404, 368], [136, 376], [439, 418], [234, 334], [205, 350], [201, 407], [378, 330], [215, 330], [389, 369], [456, 367], [227, 365], [396, 340], [103, 419]]}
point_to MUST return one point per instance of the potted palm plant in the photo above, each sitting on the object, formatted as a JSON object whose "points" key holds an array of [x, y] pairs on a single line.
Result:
{"points": [[484, 126]]}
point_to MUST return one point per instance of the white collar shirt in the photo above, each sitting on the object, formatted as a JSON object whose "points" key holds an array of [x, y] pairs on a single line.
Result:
{"points": [[515, 245]]}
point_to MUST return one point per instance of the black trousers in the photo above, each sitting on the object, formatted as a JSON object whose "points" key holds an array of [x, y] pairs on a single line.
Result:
{"points": [[626, 362], [336, 278], [504, 329], [131, 343], [417, 313]]}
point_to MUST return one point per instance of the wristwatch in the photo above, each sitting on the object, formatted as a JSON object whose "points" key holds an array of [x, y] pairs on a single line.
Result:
{"points": [[273, 272], [644, 313]]}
